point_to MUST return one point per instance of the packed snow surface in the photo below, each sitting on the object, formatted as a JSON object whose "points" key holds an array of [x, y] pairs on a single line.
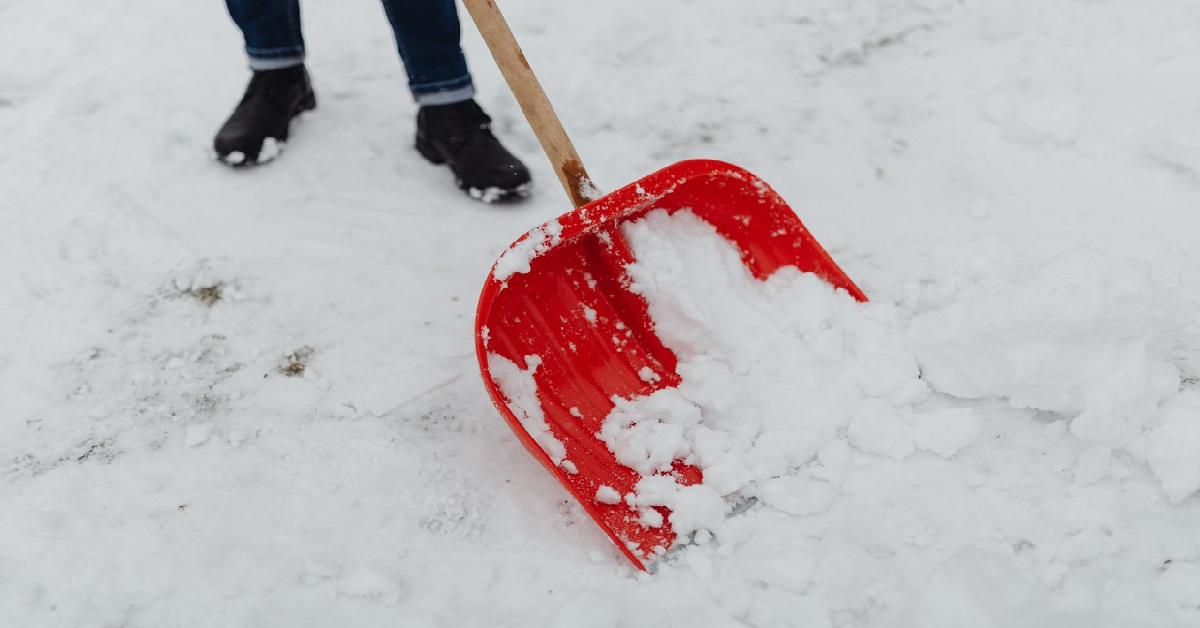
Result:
{"points": [[249, 397]]}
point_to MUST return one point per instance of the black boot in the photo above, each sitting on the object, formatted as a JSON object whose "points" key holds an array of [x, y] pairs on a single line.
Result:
{"points": [[258, 127], [460, 136]]}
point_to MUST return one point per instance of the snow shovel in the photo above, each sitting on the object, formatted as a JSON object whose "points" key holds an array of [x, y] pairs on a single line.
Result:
{"points": [[557, 309]]}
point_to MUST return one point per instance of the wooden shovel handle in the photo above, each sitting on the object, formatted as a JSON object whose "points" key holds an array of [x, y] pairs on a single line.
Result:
{"points": [[533, 100]]}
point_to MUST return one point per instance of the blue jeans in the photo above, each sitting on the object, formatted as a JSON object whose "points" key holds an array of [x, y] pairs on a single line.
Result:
{"points": [[427, 36]]}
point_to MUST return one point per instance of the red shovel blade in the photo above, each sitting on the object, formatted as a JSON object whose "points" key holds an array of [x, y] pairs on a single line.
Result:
{"points": [[558, 303]]}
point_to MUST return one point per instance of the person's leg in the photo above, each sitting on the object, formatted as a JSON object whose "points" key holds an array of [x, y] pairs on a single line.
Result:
{"points": [[279, 89], [271, 29], [427, 36], [451, 127]]}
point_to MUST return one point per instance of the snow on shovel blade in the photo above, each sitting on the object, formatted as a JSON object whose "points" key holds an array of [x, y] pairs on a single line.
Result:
{"points": [[559, 334]]}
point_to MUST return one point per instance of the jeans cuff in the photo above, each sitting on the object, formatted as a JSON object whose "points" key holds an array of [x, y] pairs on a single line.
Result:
{"points": [[274, 63], [445, 96]]}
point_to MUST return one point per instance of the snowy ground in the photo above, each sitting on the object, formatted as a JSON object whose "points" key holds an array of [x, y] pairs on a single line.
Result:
{"points": [[251, 399]]}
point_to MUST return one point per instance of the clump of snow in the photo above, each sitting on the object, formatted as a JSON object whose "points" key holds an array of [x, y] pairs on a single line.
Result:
{"points": [[1174, 447], [516, 258], [520, 389], [944, 432], [271, 149], [608, 495]]}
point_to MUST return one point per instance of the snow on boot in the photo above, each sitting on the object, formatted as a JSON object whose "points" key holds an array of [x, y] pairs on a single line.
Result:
{"points": [[257, 129], [460, 135]]}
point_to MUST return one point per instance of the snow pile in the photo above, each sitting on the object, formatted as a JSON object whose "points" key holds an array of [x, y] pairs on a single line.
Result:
{"points": [[796, 401], [772, 372], [1083, 335]]}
